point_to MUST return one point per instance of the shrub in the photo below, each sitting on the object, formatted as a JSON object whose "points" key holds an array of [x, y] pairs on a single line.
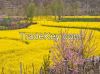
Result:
{"points": [[6, 21], [73, 52]]}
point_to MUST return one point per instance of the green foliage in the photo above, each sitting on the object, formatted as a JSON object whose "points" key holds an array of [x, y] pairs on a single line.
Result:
{"points": [[6, 21], [57, 8], [46, 65], [30, 11]]}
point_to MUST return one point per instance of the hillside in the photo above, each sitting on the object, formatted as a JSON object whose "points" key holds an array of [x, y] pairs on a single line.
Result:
{"points": [[70, 7]]}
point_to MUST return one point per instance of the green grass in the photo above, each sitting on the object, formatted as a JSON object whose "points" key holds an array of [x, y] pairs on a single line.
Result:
{"points": [[3, 27], [80, 20]]}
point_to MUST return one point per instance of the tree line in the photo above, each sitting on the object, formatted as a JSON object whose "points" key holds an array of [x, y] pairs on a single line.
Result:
{"points": [[51, 7]]}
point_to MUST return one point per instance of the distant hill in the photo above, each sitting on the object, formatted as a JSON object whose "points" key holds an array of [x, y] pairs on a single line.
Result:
{"points": [[71, 7]]}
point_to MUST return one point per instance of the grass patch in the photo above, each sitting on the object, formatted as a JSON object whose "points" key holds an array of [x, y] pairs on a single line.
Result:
{"points": [[80, 20]]}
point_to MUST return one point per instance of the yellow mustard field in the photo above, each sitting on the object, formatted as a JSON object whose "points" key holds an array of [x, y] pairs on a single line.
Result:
{"points": [[14, 49]]}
